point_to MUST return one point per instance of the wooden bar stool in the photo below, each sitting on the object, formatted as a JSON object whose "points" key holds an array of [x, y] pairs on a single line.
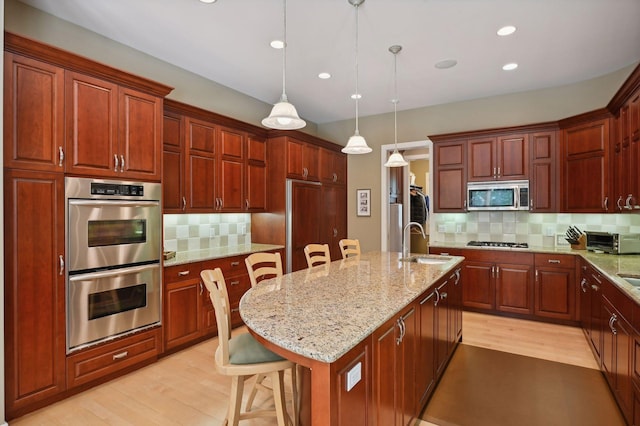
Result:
{"points": [[317, 254], [349, 248]]}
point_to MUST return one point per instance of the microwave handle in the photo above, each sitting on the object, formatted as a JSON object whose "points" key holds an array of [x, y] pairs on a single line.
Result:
{"points": [[106, 203]]}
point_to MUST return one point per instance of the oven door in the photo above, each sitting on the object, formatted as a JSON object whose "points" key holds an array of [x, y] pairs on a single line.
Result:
{"points": [[105, 233], [107, 303]]}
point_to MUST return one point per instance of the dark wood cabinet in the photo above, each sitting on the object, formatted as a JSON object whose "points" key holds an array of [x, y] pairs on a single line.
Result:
{"points": [[173, 164], [34, 333], [231, 170], [302, 160], [200, 168], [555, 286], [450, 176], [333, 166], [182, 305], [591, 307], [625, 150], [33, 93], [585, 156], [394, 346], [514, 288], [425, 369], [479, 289], [256, 175], [111, 131], [543, 182], [498, 158], [334, 222]]}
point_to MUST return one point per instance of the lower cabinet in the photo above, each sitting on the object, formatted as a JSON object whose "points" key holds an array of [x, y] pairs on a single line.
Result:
{"points": [[555, 286], [591, 308]]}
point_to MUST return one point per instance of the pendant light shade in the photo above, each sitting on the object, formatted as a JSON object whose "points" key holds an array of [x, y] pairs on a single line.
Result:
{"points": [[356, 144], [283, 114], [396, 159]]}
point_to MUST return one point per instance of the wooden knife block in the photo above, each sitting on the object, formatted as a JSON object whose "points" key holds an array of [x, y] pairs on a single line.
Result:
{"points": [[582, 243]]}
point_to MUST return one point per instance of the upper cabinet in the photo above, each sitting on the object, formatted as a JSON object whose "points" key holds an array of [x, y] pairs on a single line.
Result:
{"points": [[585, 154], [302, 160], [210, 165], [543, 155], [333, 166], [498, 158], [450, 178], [65, 113], [33, 93]]}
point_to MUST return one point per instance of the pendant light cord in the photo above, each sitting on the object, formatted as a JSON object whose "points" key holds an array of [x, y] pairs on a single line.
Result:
{"points": [[284, 52], [395, 100], [357, 91]]}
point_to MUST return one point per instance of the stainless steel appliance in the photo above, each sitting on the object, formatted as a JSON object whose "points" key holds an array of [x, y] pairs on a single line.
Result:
{"points": [[497, 244], [395, 227], [114, 244], [502, 195], [613, 242]]}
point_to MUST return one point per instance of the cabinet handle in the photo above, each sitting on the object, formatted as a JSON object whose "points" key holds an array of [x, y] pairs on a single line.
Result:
{"points": [[493, 271], [246, 204], [115, 168], [497, 272], [122, 164], [234, 282], [184, 203], [498, 172], [594, 287], [435, 303], [618, 203], [536, 275], [183, 273], [531, 204], [464, 205], [235, 263], [335, 232], [61, 264], [457, 277], [444, 253], [596, 278], [582, 285], [444, 295], [335, 177], [60, 156], [612, 321], [401, 326], [494, 173], [553, 261], [201, 289], [426, 299], [221, 203], [605, 203], [628, 202], [235, 309], [121, 355]]}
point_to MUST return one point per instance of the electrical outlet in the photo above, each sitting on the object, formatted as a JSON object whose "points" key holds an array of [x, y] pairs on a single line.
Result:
{"points": [[441, 228], [459, 228], [354, 376]]}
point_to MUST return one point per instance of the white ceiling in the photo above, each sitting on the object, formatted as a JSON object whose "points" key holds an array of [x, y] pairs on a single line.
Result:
{"points": [[557, 42]]}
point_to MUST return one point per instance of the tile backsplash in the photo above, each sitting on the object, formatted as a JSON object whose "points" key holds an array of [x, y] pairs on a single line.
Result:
{"points": [[186, 232], [536, 229]]}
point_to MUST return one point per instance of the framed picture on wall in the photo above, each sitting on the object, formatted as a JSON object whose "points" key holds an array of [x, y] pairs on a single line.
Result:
{"points": [[363, 202]]}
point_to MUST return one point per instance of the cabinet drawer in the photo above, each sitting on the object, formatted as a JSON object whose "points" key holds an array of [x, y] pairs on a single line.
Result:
{"points": [[184, 272], [230, 266], [237, 286], [109, 358], [555, 260]]}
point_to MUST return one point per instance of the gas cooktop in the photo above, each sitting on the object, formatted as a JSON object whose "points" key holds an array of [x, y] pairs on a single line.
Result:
{"points": [[497, 244]]}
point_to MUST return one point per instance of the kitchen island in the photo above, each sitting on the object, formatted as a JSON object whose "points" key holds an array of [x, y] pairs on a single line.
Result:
{"points": [[361, 325]]}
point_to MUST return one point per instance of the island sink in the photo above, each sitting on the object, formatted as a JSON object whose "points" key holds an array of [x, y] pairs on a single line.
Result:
{"points": [[634, 280], [427, 259]]}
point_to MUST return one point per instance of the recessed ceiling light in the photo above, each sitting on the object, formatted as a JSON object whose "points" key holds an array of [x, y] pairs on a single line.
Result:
{"points": [[324, 75], [510, 66], [277, 44], [356, 96], [447, 63], [506, 30], [208, 1]]}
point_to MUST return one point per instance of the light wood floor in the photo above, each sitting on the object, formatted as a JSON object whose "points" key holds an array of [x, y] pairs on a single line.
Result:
{"points": [[183, 389]]}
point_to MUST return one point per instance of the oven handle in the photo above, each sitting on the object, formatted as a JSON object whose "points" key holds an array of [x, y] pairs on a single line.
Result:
{"points": [[132, 203], [113, 272]]}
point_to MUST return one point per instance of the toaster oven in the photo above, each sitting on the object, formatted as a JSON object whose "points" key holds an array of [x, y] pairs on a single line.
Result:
{"points": [[613, 242]]}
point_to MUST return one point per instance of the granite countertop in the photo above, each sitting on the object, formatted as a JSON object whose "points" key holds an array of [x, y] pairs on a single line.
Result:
{"points": [[610, 265], [219, 252], [323, 312]]}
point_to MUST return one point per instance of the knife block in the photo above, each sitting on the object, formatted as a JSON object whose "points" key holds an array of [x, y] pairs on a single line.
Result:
{"points": [[582, 243]]}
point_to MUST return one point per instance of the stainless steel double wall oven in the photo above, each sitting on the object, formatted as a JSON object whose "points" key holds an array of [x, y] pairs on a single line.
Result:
{"points": [[114, 246]]}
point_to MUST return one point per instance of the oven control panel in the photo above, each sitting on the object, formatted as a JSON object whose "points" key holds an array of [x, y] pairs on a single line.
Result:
{"points": [[101, 188]]}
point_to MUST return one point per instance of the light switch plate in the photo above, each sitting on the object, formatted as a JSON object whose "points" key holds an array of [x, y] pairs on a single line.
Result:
{"points": [[354, 376]]}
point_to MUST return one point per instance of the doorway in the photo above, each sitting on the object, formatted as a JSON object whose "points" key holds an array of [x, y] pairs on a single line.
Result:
{"points": [[417, 151]]}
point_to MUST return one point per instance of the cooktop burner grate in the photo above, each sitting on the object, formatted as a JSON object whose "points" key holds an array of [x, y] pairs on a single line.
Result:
{"points": [[497, 244]]}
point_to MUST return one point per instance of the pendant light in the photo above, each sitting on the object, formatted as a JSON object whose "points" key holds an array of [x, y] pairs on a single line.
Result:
{"points": [[284, 115], [396, 159], [356, 143]]}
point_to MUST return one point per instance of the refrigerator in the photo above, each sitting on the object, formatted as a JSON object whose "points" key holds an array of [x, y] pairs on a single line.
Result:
{"points": [[303, 220], [394, 241]]}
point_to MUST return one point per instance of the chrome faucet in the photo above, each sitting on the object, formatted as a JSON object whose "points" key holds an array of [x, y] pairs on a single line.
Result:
{"points": [[405, 253]]}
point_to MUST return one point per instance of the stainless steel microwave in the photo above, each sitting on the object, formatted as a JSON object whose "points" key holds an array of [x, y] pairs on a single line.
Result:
{"points": [[503, 195]]}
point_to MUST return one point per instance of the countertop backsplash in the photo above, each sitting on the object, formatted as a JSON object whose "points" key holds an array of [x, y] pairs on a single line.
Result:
{"points": [[536, 229], [188, 232]]}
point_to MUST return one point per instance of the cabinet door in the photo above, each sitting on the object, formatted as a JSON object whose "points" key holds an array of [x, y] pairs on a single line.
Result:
{"points": [[450, 179], [310, 154], [334, 222], [512, 157], [33, 93], [478, 290], [443, 338], [586, 168], [230, 169], [555, 293], [182, 304], [386, 371], [514, 288], [425, 367], [140, 135], [256, 175], [634, 149], [200, 167], [482, 159], [173, 200], [34, 288], [543, 183], [305, 221], [91, 114], [408, 362], [333, 166]]}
